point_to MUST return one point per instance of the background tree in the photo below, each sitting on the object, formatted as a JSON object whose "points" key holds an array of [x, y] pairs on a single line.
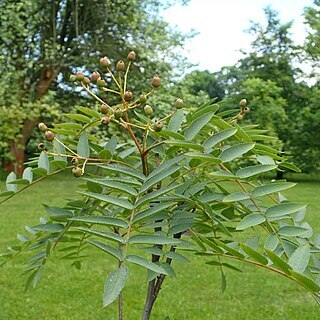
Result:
{"points": [[49, 38]]}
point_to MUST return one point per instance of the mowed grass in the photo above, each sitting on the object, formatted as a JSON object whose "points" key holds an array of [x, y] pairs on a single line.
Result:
{"points": [[69, 294]]}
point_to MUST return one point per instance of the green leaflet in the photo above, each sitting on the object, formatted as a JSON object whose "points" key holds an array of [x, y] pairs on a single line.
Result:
{"points": [[43, 162], [254, 254], [195, 126], [271, 188], [105, 235], [216, 138], [83, 149], [176, 121], [10, 186], [107, 221], [237, 196], [251, 220], [146, 264], [115, 185], [283, 209], [235, 151], [27, 174], [299, 259], [106, 248], [292, 231], [89, 112], [78, 117], [203, 157], [153, 239], [307, 282], [184, 144], [254, 170], [278, 262], [114, 284], [124, 170], [120, 202]]}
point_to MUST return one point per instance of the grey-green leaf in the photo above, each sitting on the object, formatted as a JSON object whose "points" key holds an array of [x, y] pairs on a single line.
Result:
{"points": [[176, 121], [120, 202], [197, 125], [107, 221], [251, 220], [299, 259], [27, 174], [114, 284], [292, 231], [143, 262], [283, 209], [254, 170], [10, 178], [216, 138], [236, 196], [83, 145], [153, 239], [235, 151], [272, 188], [43, 161]]}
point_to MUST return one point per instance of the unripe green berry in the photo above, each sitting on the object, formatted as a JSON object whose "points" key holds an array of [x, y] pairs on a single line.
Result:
{"points": [[128, 96], [42, 127], [41, 146], [73, 78], [246, 110], [105, 62], [117, 113], [104, 108], [79, 76], [86, 80], [77, 172], [95, 76], [155, 81], [243, 102], [148, 110], [143, 98], [105, 120], [131, 56], [179, 103], [157, 126], [49, 135], [120, 65], [101, 83]]}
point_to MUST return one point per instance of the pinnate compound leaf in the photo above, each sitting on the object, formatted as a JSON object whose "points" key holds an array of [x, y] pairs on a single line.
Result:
{"points": [[254, 170], [272, 188], [299, 259], [283, 209], [114, 284], [11, 178], [143, 262], [251, 220], [235, 151], [83, 149]]}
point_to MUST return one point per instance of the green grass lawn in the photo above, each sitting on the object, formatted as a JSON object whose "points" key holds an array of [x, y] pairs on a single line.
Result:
{"points": [[65, 293]]}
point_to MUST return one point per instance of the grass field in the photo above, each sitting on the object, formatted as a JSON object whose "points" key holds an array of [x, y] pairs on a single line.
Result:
{"points": [[65, 293]]}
